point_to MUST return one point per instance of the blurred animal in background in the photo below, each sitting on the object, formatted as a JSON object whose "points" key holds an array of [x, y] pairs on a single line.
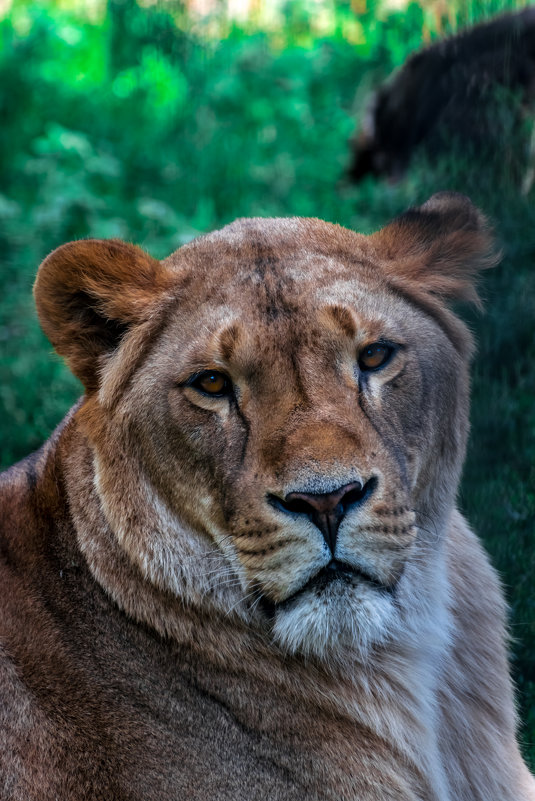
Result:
{"points": [[472, 91]]}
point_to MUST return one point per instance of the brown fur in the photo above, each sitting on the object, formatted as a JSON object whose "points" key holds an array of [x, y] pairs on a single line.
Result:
{"points": [[165, 634]]}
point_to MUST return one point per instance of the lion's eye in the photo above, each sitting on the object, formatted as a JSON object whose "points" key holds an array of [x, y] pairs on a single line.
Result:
{"points": [[212, 382], [375, 355]]}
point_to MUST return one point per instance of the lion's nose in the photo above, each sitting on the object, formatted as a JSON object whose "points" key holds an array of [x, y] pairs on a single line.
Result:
{"points": [[326, 510]]}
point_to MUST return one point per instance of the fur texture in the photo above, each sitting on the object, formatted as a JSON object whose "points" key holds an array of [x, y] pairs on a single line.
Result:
{"points": [[175, 621]]}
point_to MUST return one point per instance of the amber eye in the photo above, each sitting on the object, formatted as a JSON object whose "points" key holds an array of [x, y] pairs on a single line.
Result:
{"points": [[375, 355], [211, 382]]}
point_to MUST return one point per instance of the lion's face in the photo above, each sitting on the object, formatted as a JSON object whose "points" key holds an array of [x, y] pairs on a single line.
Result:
{"points": [[281, 435]]}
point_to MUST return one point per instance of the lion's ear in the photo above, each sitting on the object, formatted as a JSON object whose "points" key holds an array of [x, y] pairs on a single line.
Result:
{"points": [[88, 293], [438, 247]]}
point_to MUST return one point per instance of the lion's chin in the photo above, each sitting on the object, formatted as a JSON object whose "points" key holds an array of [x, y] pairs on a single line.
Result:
{"points": [[328, 619]]}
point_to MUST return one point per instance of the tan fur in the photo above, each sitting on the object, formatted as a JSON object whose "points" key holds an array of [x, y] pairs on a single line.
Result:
{"points": [[165, 634]]}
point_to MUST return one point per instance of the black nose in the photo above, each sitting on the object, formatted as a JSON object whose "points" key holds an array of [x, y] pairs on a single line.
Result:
{"points": [[326, 510]]}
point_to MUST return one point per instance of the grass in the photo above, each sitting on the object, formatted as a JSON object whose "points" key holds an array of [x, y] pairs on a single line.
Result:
{"points": [[143, 125]]}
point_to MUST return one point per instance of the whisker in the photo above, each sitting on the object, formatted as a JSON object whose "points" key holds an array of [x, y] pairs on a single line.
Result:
{"points": [[434, 535], [241, 600], [224, 585], [223, 571], [212, 552]]}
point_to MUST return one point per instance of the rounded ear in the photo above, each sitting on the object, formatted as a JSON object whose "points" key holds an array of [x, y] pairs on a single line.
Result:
{"points": [[87, 295], [438, 247]]}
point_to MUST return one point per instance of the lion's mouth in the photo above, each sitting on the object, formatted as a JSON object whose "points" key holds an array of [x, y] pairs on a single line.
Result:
{"points": [[340, 571], [335, 571]]}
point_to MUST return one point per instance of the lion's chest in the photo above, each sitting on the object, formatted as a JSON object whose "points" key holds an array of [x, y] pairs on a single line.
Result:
{"points": [[118, 713]]}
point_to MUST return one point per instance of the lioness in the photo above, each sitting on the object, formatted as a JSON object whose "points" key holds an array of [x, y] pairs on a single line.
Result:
{"points": [[236, 570]]}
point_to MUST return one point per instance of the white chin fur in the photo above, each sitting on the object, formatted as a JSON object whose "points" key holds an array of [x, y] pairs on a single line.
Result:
{"points": [[342, 617]]}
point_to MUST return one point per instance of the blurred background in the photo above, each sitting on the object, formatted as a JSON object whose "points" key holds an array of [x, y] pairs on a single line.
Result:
{"points": [[156, 121]]}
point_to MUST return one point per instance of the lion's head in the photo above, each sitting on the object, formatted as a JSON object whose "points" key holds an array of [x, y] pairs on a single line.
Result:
{"points": [[278, 412]]}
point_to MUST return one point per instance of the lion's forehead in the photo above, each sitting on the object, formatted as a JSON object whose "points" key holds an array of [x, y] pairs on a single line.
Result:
{"points": [[296, 252], [262, 287], [298, 296], [293, 281]]}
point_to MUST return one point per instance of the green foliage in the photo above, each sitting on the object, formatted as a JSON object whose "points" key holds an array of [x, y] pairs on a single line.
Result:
{"points": [[148, 125]]}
